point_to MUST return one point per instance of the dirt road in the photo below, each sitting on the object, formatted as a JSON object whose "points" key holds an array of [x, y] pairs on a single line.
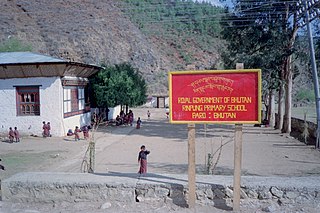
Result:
{"points": [[265, 151]]}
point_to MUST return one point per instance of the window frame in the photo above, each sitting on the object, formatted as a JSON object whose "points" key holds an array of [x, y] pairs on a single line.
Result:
{"points": [[67, 100], [32, 107], [77, 101]]}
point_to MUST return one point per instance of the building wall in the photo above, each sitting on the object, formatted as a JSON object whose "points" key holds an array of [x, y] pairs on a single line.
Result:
{"points": [[113, 112], [77, 120], [50, 106]]}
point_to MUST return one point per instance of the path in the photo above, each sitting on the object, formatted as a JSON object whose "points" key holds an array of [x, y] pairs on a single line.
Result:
{"points": [[265, 151]]}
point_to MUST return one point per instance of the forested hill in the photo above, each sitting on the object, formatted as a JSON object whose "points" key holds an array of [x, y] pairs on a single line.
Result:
{"points": [[153, 35], [184, 31]]}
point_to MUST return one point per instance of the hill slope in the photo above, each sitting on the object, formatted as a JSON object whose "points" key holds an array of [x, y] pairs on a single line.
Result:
{"points": [[93, 31]]}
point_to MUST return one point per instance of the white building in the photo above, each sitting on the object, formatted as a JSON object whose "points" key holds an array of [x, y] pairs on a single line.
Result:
{"points": [[36, 88]]}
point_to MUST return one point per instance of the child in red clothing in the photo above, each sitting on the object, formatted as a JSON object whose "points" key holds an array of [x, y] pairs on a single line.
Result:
{"points": [[76, 134], [138, 123], [49, 128], [16, 134], [11, 135], [85, 131], [142, 159]]}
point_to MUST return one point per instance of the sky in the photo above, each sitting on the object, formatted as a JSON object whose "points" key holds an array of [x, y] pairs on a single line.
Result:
{"points": [[214, 2]]}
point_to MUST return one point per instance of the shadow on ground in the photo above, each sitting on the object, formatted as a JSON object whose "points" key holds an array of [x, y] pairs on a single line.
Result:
{"points": [[164, 129]]}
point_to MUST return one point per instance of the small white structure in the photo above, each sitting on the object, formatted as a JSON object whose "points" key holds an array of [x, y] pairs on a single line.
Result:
{"points": [[160, 101], [36, 88]]}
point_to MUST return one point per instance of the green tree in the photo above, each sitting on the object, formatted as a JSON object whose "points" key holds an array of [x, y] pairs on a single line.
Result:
{"points": [[14, 45], [118, 85], [262, 34], [194, 26]]}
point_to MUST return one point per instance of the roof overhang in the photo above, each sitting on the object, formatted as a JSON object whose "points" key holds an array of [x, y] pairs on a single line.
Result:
{"points": [[47, 69]]}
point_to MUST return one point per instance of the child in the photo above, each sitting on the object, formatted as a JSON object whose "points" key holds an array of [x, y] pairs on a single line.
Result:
{"points": [[16, 134], [11, 135], [49, 128], [76, 134], [149, 114], [167, 112], [69, 133], [85, 131], [142, 159], [45, 132], [138, 123]]}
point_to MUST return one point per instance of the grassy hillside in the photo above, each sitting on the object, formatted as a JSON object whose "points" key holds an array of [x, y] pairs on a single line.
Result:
{"points": [[187, 32]]}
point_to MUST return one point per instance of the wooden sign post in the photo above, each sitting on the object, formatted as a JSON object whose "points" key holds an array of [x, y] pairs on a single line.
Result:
{"points": [[215, 96], [191, 166], [237, 160]]}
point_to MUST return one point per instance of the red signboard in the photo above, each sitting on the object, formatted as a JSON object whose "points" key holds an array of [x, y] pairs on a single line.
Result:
{"points": [[215, 96]]}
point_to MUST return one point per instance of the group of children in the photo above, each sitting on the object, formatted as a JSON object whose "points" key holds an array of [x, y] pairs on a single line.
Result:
{"points": [[14, 135], [125, 118], [77, 130]]}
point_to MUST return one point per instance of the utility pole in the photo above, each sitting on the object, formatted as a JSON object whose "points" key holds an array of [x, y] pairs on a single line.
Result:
{"points": [[306, 6]]}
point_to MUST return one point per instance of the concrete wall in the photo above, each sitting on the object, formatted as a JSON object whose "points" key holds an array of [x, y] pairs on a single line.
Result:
{"points": [[128, 188], [50, 106], [297, 126], [77, 120]]}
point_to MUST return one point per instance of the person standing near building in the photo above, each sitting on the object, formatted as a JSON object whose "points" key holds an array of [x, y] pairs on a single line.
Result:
{"points": [[49, 128], [11, 135], [130, 117], [16, 134], [76, 134], [45, 132], [142, 159], [85, 131]]}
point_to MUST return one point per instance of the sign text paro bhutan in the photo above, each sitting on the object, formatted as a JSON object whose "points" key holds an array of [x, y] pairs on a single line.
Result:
{"points": [[227, 96]]}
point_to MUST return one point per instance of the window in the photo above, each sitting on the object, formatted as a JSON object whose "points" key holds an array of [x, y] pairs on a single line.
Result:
{"points": [[28, 100], [73, 100], [66, 100], [81, 98]]}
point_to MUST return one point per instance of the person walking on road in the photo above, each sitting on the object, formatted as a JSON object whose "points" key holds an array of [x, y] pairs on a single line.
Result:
{"points": [[142, 159]]}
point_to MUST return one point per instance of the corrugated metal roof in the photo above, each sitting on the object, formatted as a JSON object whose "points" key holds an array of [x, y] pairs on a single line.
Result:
{"points": [[25, 57], [27, 64]]}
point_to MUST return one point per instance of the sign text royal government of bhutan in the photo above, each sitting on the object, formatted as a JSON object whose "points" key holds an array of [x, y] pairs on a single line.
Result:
{"points": [[214, 107]]}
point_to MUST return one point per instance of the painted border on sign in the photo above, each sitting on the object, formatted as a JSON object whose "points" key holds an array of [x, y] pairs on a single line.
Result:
{"points": [[210, 83]]}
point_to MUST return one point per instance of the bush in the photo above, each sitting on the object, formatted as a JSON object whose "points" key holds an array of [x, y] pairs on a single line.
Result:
{"points": [[305, 95], [14, 45]]}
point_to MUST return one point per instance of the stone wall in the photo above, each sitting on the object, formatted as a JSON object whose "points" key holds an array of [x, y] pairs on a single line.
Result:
{"points": [[129, 188], [297, 126]]}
